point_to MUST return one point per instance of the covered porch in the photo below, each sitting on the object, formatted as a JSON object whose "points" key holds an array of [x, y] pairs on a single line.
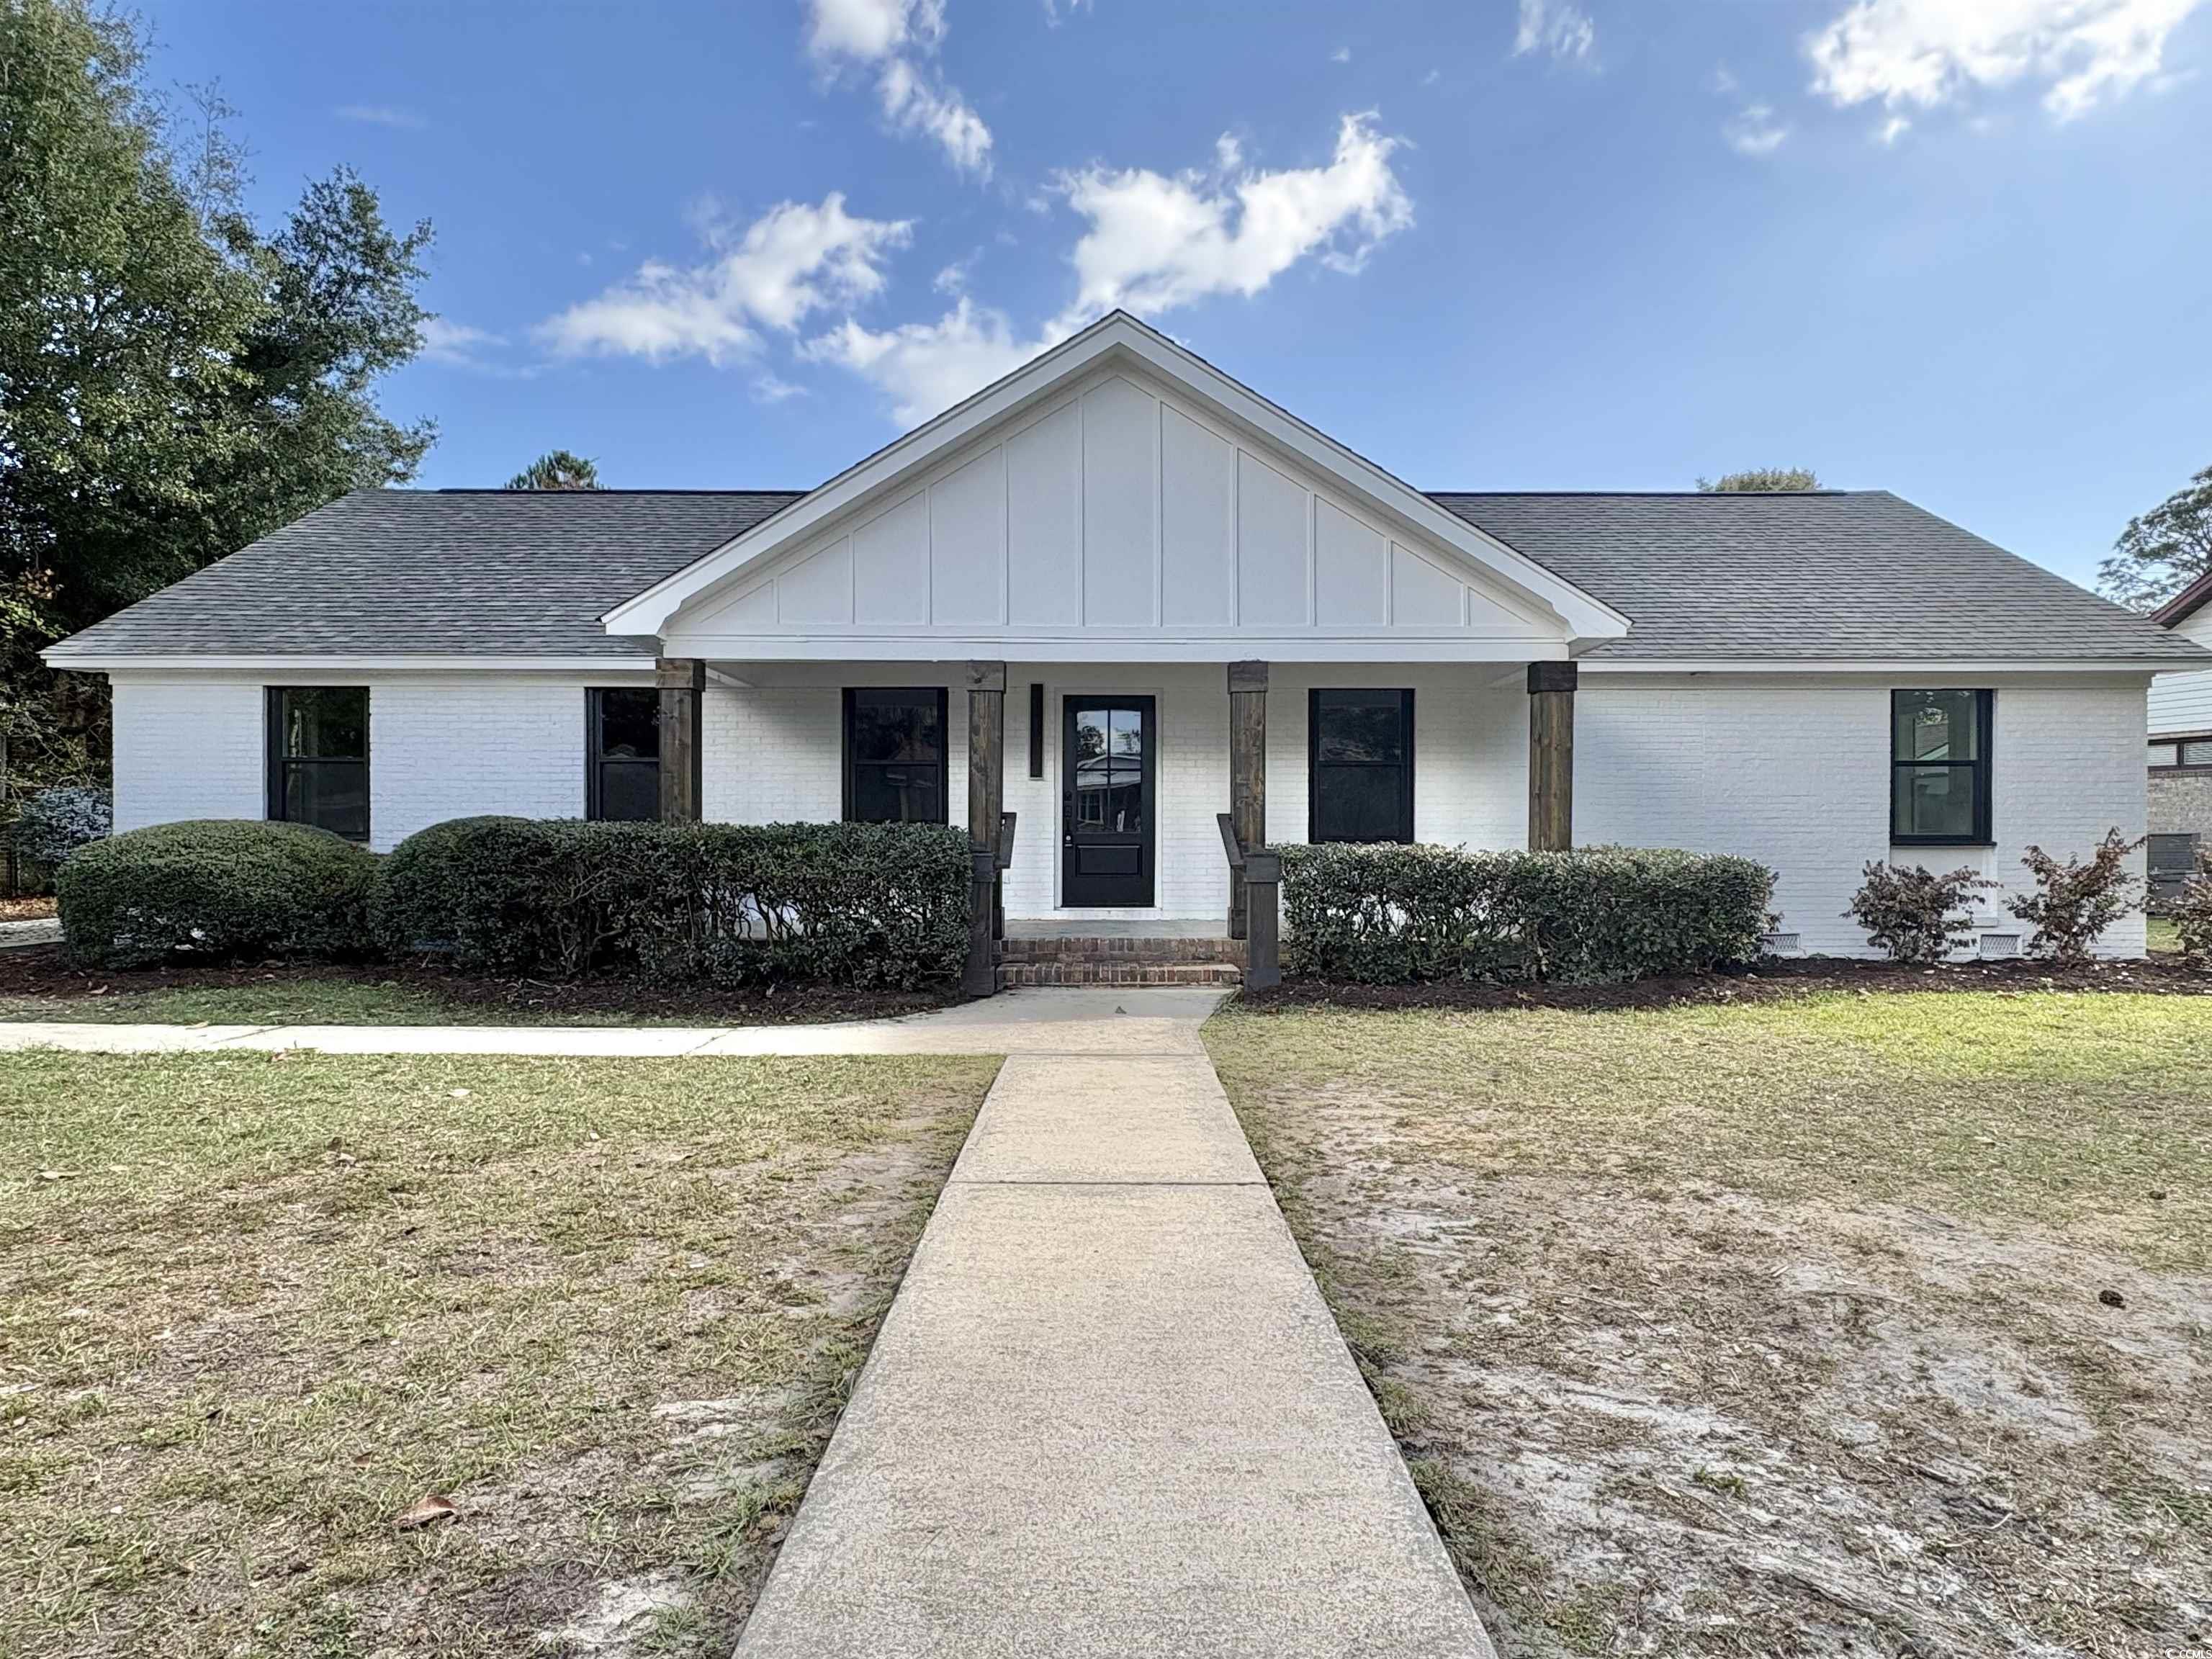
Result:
{"points": [[1093, 793]]}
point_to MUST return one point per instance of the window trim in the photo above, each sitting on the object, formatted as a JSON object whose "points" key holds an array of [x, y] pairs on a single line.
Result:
{"points": [[1314, 694], [277, 764], [595, 760], [2176, 743], [1983, 766], [943, 760]]}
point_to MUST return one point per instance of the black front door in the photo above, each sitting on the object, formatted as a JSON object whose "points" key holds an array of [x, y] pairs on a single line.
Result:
{"points": [[1107, 766]]}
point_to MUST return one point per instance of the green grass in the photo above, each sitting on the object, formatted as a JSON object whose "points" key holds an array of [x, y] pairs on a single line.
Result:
{"points": [[1774, 1326], [2063, 1109], [2164, 935], [258, 1305]]}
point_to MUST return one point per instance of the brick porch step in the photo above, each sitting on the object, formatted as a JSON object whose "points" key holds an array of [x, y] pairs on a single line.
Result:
{"points": [[1105, 972], [1116, 959]]}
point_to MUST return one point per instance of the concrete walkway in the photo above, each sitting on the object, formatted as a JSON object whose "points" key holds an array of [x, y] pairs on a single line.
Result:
{"points": [[1107, 1414]]}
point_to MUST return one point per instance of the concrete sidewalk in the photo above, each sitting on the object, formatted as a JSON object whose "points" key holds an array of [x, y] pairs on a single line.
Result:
{"points": [[1103, 1021], [1108, 1414]]}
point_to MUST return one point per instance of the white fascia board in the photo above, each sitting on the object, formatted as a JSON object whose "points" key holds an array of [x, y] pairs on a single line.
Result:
{"points": [[1099, 647], [112, 663], [1891, 668], [1115, 335]]}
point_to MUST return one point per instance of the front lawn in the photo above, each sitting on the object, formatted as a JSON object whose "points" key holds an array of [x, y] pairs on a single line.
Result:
{"points": [[261, 1306], [1846, 1322]]}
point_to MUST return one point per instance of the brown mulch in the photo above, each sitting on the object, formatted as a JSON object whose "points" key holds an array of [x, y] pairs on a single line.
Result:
{"points": [[1799, 976], [26, 909], [46, 971]]}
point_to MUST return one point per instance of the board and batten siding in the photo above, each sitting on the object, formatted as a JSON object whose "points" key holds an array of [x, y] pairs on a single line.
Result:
{"points": [[1120, 510], [1793, 770], [2183, 703], [440, 746]]}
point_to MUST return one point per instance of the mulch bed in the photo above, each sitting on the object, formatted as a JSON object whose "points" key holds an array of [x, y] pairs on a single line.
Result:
{"points": [[1798, 977], [46, 972], [26, 909]]}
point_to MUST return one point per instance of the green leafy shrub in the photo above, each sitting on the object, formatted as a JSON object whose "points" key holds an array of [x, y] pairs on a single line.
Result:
{"points": [[2074, 903], [1915, 915], [1391, 914], [58, 821], [215, 891], [843, 903]]}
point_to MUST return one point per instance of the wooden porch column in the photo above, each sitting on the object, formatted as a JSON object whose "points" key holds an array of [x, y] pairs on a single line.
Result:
{"points": [[1248, 774], [1552, 755], [987, 790], [683, 682]]}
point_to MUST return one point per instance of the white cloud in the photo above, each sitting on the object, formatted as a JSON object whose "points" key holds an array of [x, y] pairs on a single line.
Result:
{"points": [[382, 115], [898, 40], [1926, 53], [1153, 243], [1056, 9], [1894, 129], [1753, 131], [454, 344], [771, 389], [1342, 55], [953, 278], [792, 260], [1156, 242], [927, 367], [1555, 26]]}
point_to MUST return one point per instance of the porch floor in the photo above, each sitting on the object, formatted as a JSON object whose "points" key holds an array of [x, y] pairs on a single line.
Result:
{"points": [[1058, 927]]}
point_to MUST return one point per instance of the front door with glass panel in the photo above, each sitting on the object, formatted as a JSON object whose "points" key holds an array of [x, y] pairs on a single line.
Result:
{"points": [[1106, 815]]}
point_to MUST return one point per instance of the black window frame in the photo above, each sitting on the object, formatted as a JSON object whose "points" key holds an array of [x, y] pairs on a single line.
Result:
{"points": [[2181, 746], [597, 760], [279, 765], [1314, 696], [1983, 766], [918, 693]]}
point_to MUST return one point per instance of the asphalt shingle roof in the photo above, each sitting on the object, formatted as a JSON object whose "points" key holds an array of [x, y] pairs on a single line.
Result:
{"points": [[1841, 574]]}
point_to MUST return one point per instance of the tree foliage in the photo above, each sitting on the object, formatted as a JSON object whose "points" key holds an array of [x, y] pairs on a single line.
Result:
{"points": [[557, 469], [1760, 478], [2163, 551], [174, 384]]}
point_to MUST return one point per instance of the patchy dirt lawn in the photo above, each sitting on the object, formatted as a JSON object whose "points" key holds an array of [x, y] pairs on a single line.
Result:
{"points": [[259, 1308], [1849, 1324]]}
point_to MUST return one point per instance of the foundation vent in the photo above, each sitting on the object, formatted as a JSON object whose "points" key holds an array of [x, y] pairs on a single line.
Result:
{"points": [[2000, 947]]}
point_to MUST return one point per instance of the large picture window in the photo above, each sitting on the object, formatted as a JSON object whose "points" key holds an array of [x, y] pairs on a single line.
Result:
{"points": [[895, 755], [318, 757], [1360, 755], [624, 736], [1939, 754]]}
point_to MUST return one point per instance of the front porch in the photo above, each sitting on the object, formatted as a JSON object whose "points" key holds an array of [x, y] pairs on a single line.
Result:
{"points": [[1093, 792]]}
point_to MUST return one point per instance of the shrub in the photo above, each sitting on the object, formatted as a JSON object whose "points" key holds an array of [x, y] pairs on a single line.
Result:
{"points": [[56, 822], [845, 904], [2192, 910], [1388, 914], [1914, 915], [2074, 903], [215, 890]]}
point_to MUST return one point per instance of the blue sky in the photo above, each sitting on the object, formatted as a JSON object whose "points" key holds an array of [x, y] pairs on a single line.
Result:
{"points": [[1960, 249]]}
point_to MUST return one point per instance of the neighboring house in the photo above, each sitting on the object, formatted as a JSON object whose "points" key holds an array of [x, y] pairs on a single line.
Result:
{"points": [[1075, 585], [2181, 746]]}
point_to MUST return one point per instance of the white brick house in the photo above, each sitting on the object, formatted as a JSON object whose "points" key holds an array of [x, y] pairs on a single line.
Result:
{"points": [[1071, 562]]}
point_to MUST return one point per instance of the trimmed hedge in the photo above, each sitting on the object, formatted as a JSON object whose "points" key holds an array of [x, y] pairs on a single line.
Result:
{"points": [[1393, 914], [215, 891], [849, 903]]}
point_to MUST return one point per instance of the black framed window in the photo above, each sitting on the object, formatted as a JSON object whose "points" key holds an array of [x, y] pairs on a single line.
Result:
{"points": [[623, 734], [1939, 755], [1359, 753], [2171, 754], [895, 755], [318, 757]]}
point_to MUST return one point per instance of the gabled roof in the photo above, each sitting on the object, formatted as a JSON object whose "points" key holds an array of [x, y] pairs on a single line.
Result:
{"points": [[1809, 575], [1118, 339]]}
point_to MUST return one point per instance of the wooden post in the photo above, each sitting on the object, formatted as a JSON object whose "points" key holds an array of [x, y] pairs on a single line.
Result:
{"points": [[1248, 774], [1263, 879], [1552, 755], [987, 783], [683, 682]]}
